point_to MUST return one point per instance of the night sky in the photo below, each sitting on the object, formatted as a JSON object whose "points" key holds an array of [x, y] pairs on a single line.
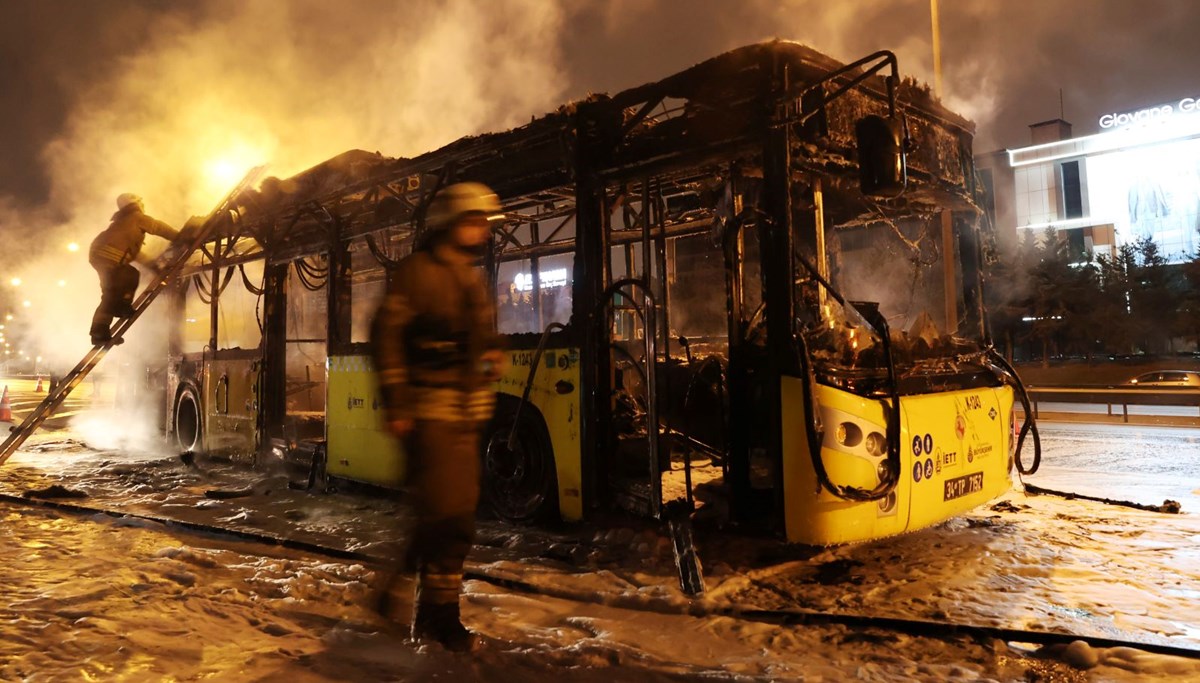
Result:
{"points": [[156, 97]]}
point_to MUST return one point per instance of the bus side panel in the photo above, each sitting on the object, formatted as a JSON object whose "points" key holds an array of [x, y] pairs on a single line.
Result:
{"points": [[818, 517], [357, 446], [957, 450], [230, 398], [555, 393]]}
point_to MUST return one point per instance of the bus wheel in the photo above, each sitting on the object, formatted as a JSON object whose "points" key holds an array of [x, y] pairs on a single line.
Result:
{"points": [[188, 422], [519, 483]]}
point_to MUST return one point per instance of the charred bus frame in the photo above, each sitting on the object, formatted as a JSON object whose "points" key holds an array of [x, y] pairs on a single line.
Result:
{"points": [[758, 150]]}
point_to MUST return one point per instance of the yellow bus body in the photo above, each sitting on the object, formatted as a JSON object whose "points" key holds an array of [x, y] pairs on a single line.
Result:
{"points": [[555, 394], [359, 449], [954, 456]]}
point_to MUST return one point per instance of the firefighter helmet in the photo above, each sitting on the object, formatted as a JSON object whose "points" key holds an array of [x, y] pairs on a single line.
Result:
{"points": [[453, 201], [126, 199]]}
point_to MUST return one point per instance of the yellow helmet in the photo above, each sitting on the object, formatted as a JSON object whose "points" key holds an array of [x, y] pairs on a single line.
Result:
{"points": [[126, 199], [453, 201]]}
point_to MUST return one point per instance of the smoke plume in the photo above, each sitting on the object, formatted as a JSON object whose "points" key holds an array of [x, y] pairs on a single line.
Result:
{"points": [[208, 91]]}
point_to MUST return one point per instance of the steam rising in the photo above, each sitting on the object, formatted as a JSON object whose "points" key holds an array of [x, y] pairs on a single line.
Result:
{"points": [[215, 90]]}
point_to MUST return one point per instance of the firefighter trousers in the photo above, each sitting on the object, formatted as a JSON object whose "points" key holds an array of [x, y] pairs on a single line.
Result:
{"points": [[118, 284], [443, 485]]}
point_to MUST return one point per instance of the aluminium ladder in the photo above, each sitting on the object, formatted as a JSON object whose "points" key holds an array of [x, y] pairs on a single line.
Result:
{"points": [[176, 257]]}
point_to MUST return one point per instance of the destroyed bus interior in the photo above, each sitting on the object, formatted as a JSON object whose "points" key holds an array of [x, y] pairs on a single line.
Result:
{"points": [[752, 285]]}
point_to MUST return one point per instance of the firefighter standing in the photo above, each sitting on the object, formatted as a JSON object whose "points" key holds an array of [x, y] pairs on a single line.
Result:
{"points": [[436, 352], [111, 254]]}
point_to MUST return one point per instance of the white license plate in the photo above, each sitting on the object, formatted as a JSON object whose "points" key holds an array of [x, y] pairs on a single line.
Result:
{"points": [[963, 486]]}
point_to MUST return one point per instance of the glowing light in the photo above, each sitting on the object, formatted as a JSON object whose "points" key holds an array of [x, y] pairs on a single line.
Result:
{"points": [[227, 164], [62, 283], [73, 246], [15, 282], [26, 303], [548, 279], [223, 172]]}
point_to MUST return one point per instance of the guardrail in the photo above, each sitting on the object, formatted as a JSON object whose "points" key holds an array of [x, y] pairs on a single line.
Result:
{"points": [[1115, 396]]}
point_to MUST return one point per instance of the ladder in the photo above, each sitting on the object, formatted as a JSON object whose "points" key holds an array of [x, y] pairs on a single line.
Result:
{"points": [[175, 258]]}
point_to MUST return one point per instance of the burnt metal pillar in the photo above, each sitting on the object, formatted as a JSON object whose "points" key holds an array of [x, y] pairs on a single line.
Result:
{"points": [[949, 273], [214, 304], [339, 292], [778, 271], [591, 265], [273, 385], [971, 256]]}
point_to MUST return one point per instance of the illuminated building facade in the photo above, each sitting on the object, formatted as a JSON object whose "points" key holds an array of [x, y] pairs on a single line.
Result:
{"points": [[1139, 177]]}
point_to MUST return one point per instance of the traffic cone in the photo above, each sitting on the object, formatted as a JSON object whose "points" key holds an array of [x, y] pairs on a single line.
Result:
{"points": [[5, 408], [39, 388]]}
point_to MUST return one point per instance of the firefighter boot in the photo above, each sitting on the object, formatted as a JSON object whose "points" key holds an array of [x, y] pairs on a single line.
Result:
{"points": [[99, 331], [441, 623]]}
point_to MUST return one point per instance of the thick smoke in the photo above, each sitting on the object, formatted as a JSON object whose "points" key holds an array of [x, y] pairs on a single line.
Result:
{"points": [[211, 90]]}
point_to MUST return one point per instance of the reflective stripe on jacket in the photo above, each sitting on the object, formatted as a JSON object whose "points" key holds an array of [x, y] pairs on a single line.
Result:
{"points": [[122, 240]]}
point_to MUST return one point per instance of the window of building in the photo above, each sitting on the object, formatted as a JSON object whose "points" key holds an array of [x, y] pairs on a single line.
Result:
{"points": [[1072, 190]]}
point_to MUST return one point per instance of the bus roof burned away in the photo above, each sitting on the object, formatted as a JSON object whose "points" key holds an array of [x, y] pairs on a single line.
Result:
{"points": [[698, 119]]}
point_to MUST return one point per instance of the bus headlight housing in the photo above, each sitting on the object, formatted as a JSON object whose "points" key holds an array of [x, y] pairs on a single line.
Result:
{"points": [[876, 444], [848, 434]]}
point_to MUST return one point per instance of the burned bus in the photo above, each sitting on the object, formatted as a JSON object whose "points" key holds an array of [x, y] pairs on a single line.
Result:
{"points": [[754, 284]]}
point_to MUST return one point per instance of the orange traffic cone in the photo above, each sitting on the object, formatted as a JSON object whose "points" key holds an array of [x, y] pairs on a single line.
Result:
{"points": [[5, 408], [39, 388]]}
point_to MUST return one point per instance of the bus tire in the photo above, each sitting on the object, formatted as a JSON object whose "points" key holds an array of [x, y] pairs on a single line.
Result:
{"points": [[188, 420], [519, 484]]}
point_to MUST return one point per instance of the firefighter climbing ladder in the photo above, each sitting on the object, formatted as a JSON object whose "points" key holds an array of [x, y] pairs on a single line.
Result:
{"points": [[176, 258]]}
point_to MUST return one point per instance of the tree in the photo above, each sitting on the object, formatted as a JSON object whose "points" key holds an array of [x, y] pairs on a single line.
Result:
{"points": [[1118, 333], [1048, 304], [1153, 301], [1187, 323]]}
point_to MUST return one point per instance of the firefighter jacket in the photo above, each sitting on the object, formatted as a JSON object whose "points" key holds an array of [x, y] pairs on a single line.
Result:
{"points": [[122, 241], [435, 323]]}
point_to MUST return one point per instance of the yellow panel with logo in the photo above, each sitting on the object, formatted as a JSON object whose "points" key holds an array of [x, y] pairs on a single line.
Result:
{"points": [[357, 446], [555, 394], [954, 456]]}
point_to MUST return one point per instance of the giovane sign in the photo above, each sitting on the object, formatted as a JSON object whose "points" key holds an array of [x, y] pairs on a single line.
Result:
{"points": [[1188, 105]]}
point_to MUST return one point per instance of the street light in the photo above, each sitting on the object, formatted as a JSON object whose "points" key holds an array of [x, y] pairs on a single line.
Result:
{"points": [[73, 246], [15, 282]]}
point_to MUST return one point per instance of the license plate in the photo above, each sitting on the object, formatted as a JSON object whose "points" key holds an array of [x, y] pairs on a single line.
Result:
{"points": [[963, 486]]}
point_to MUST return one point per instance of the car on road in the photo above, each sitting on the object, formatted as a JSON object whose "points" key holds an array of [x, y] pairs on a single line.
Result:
{"points": [[1168, 378]]}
